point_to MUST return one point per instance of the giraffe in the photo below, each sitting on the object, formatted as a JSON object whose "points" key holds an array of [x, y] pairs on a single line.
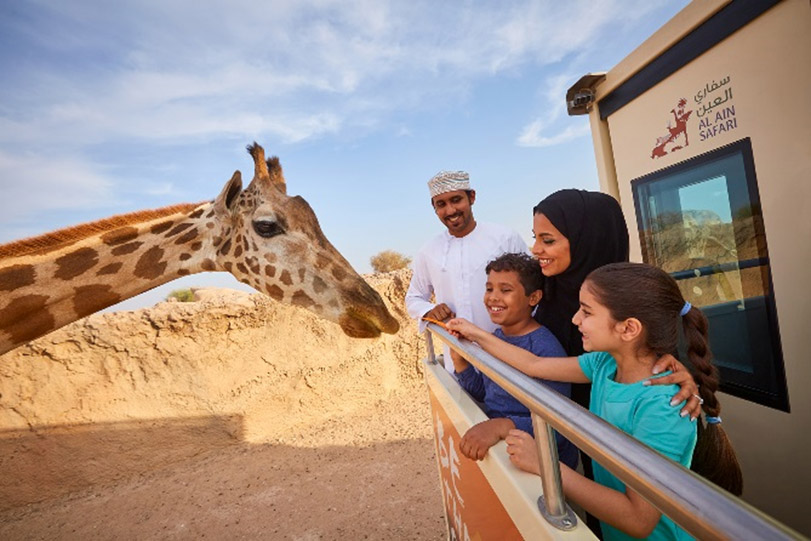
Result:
{"points": [[265, 238]]}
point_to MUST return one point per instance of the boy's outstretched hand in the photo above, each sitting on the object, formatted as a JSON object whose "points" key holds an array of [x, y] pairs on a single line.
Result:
{"points": [[462, 328], [481, 437]]}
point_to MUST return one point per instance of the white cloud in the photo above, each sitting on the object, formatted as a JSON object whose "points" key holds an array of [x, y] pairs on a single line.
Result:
{"points": [[87, 77], [48, 182], [532, 135], [236, 65]]}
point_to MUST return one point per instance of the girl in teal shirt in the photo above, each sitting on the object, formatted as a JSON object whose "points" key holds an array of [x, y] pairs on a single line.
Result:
{"points": [[629, 315]]}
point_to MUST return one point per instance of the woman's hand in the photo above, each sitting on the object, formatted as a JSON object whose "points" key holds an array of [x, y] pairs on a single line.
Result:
{"points": [[523, 452], [680, 376], [462, 328]]}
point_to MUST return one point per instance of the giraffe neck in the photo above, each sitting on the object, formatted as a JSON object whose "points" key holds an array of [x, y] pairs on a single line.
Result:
{"points": [[50, 281]]}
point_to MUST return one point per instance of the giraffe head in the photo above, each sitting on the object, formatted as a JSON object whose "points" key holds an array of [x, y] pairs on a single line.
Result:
{"points": [[272, 242]]}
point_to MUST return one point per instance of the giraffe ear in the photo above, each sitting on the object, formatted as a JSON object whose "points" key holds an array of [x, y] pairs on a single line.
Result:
{"points": [[228, 196]]}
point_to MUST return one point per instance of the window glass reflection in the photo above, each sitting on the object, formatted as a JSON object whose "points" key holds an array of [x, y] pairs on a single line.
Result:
{"points": [[701, 222]]}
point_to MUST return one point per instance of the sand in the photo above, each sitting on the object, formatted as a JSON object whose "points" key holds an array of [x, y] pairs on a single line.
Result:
{"points": [[232, 417]]}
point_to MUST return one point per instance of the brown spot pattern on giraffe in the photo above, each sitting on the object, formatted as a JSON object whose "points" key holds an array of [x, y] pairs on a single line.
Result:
{"points": [[226, 247], [26, 318], [119, 236], [197, 213], [238, 251], [89, 299], [16, 276], [185, 257], [285, 278], [302, 299], [242, 268], [275, 292], [126, 248], [270, 270], [157, 229], [112, 268], [319, 285], [301, 273], [338, 273], [208, 265], [187, 237], [178, 229], [196, 246], [76, 263], [321, 261], [149, 265], [271, 257]]}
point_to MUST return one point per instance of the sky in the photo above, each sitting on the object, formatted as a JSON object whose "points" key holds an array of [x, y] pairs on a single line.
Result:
{"points": [[112, 107]]}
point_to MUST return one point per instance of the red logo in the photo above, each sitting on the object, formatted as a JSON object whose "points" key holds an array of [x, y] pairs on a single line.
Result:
{"points": [[671, 142]]}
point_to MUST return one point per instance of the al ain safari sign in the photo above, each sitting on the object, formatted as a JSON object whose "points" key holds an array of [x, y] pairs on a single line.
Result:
{"points": [[714, 114]]}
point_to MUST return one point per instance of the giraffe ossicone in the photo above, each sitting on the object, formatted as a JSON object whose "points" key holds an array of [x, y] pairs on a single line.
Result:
{"points": [[265, 238]]}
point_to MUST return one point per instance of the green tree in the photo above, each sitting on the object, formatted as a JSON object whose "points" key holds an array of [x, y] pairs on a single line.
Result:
{"points": [[389, 260]]}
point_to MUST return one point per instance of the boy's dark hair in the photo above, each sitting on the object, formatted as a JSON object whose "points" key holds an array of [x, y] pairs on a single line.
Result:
{"points": [[652, 296], [528, 269]]}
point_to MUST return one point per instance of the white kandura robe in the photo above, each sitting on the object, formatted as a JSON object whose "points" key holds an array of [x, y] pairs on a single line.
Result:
{"points": [[452, 268]]}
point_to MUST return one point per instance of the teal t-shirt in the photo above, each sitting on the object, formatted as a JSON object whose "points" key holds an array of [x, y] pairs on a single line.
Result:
{"points": [[645, 413]]}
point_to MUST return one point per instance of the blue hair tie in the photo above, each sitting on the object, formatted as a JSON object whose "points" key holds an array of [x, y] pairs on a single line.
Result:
{"points": [[686, 308], [712, 420]]}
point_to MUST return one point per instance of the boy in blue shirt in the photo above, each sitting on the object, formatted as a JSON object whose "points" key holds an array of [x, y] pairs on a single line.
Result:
{"points": [[514, 287]]}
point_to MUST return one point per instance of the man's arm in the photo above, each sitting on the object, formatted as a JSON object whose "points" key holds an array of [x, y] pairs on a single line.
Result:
{"points": [[418, 297]]}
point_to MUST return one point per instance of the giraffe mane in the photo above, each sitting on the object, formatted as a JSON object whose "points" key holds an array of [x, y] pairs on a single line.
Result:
{"points": [[69, 235]]}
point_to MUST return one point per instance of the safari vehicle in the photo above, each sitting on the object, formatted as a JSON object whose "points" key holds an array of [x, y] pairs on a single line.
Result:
{"points": [[702, 135]]}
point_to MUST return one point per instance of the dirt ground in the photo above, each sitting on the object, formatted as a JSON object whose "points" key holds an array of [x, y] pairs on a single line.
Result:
{"points": [[233, 417], [369, 475]]}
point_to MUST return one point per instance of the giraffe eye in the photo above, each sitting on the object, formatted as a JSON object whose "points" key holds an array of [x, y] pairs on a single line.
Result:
{"points": [[267, 228]]}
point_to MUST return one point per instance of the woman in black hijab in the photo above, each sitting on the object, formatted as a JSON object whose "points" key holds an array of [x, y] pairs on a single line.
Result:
{"points": [[576, 232]]}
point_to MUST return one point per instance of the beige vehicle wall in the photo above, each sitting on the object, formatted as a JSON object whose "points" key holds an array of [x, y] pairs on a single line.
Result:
{"points": [[741, 96]]}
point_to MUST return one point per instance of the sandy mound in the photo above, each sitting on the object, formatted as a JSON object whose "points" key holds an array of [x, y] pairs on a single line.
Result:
{"points": [[230, 416]]}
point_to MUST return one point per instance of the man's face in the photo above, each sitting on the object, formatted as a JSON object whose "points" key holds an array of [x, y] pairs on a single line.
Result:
{"points": [[455, 212]]}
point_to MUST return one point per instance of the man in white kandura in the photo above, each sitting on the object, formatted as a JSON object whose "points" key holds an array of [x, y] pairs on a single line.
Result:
{"points": [[451, 265]]}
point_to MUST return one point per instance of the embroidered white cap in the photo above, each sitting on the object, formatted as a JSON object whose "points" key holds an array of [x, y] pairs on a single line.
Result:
{"points": [[448, 181]]}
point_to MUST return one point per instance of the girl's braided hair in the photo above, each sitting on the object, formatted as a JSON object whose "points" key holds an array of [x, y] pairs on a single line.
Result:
{"points": [[649, 294]]}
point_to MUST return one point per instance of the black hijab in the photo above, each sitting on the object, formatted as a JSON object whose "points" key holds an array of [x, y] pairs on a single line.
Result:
{"points": [[595, 228]]}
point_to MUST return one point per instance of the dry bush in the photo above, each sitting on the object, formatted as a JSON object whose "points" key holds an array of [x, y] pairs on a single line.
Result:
{"points": [[389, 260], [181, 295]]}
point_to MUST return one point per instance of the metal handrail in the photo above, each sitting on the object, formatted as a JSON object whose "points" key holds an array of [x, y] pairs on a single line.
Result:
{"points": [[698, 506]]}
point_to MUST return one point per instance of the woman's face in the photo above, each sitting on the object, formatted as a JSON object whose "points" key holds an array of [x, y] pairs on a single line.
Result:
{"points": [[551, 248]]}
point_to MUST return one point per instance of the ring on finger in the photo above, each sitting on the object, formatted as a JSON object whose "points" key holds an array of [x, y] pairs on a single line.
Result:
{"points": [[700, 400]]}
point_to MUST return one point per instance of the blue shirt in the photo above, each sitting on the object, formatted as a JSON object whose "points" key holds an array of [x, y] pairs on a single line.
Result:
{"points": [[645, 413], [500, 403]]}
